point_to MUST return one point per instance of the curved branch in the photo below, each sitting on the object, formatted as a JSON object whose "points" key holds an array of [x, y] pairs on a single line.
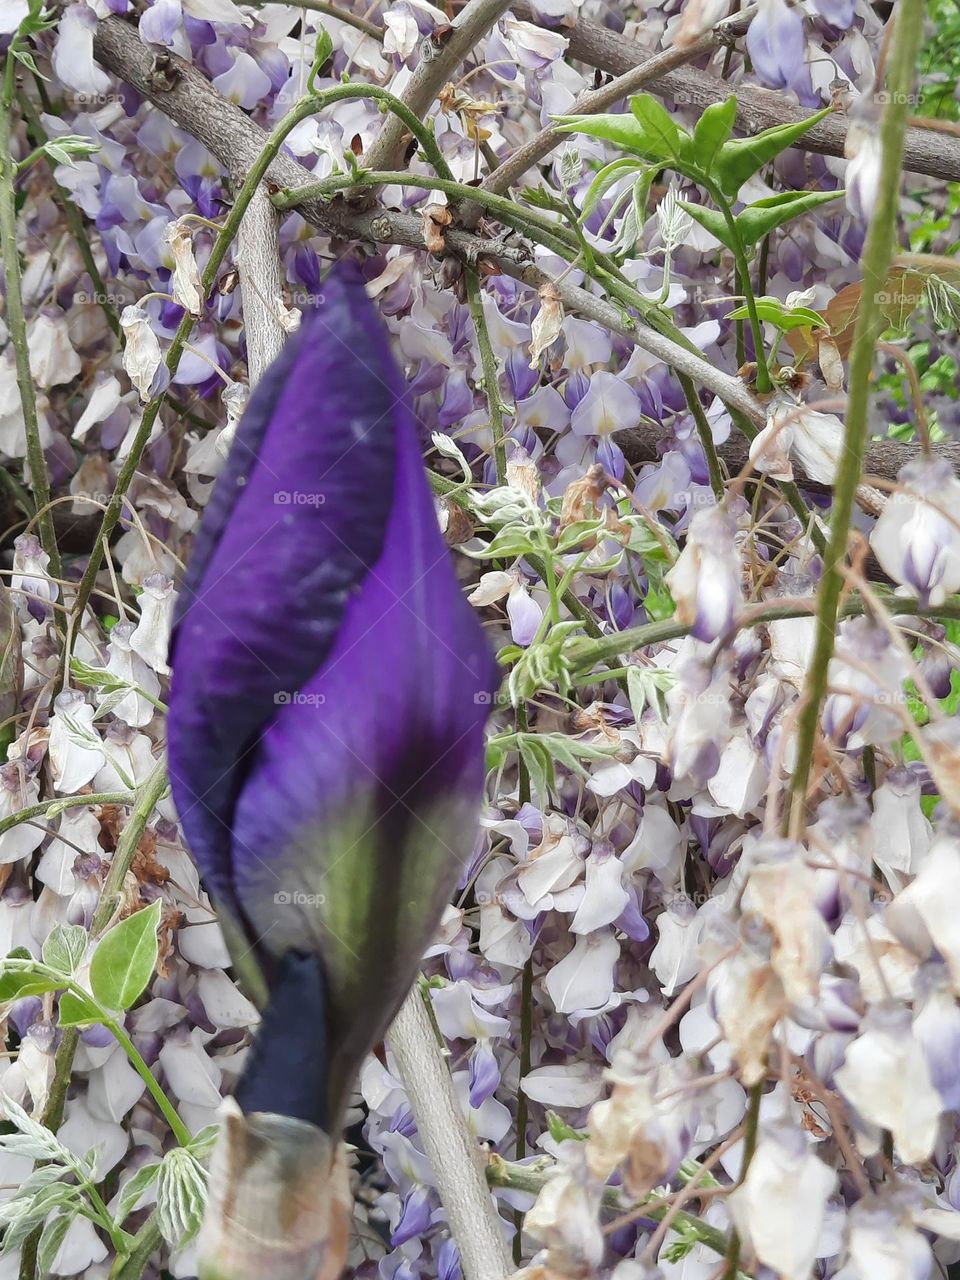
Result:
{"points": [[932, 153]]}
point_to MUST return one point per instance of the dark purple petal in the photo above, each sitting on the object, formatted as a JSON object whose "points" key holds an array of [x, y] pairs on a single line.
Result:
{"points": [[330, 683], [295, 520]]}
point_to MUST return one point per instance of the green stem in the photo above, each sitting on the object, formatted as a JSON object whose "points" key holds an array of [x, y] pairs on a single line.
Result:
{"points": [[491, 375], [877, 253], [147, 797], [146, 800], [764, 383], [526, 1009], [705, 436], [166, 1107], [104, 1218], [132, 1264], [533, 1178], [751, 1126], [51, 808], [589, 652], [271, 149], [17, 322]]}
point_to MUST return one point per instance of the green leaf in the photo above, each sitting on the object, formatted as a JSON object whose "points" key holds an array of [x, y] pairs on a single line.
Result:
{"points": [[181, 1196], [560, 1131], [26, 57], [711, 220], [202, 1143], [58, 1195], [759, 219], [648, 131], [125, 959], [16, 983], [740, 158], [713, 130], [65, 947], [97, 677], [773, 311], [536, 756], [51, 1239], [323, 48], [662, 131], [74, 1011]]}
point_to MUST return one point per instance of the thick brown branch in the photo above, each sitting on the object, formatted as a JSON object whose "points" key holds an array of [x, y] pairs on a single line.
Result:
{"points": [[439, 59], [931, 153], [883, 459]]}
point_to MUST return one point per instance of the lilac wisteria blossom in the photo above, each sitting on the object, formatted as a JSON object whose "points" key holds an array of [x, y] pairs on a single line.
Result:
{"points": [[329, 693]]}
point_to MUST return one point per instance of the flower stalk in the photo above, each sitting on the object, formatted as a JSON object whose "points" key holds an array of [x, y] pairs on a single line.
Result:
{"points": [[877, 255]]}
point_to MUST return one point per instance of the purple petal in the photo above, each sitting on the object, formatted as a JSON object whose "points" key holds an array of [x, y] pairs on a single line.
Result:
{"points": [[775, 43], [330, 681]]}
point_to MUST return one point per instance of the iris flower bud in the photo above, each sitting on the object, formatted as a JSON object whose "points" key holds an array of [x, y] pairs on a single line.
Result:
{"points": [[330, 686]]}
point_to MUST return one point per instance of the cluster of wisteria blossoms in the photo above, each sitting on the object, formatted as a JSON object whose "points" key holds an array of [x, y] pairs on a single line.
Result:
{"points": [[697, 988]]}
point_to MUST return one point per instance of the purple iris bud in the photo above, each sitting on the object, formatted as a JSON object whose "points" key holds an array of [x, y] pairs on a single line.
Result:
{"points": [[329, 694]]}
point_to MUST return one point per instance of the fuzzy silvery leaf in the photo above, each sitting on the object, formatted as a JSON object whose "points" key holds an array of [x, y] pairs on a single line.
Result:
{"points": [[133, 1189], [43, 1144], [97, 677], [571, 165], [30, 1213], [449, 449], [41, 1177], [203, 1142], [114, 698], [52, 1237], [648, 686], [68, 147], [65, 947], [181, 1196], [80, 736]]}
